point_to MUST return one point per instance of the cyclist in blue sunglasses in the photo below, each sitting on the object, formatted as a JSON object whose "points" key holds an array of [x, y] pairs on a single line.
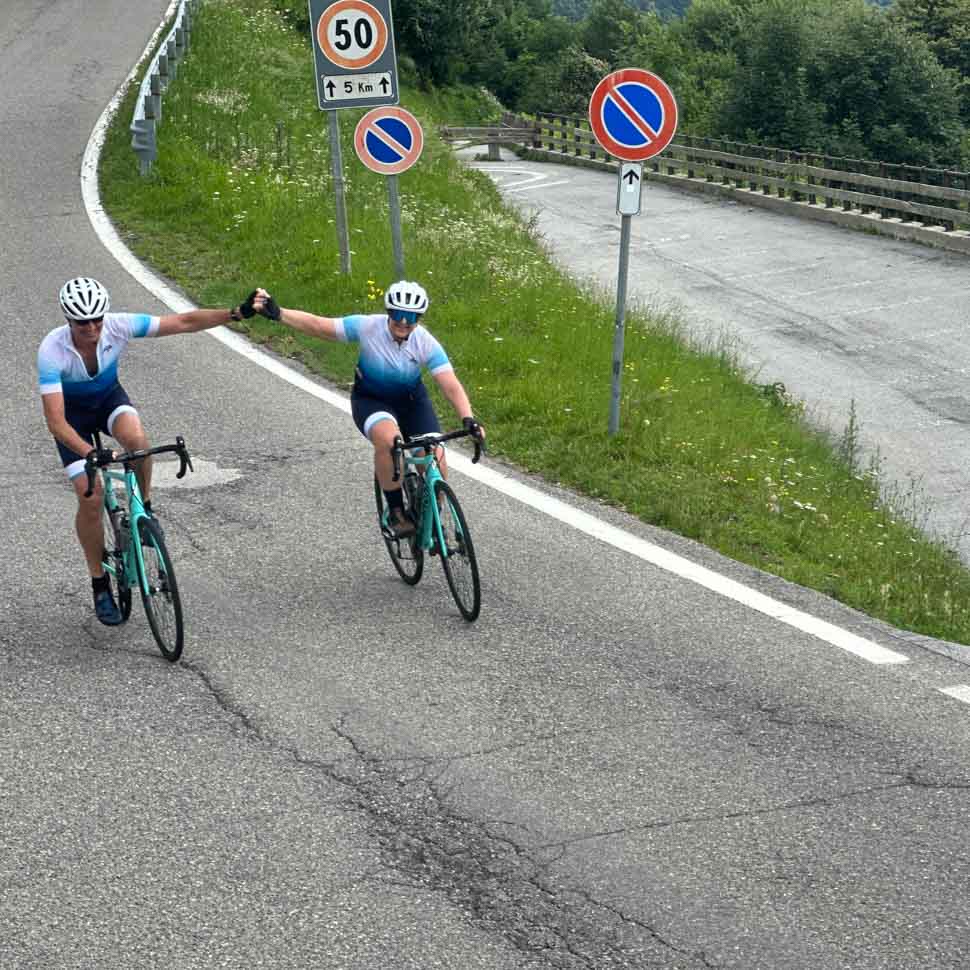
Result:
{"points": [[389, 398]]}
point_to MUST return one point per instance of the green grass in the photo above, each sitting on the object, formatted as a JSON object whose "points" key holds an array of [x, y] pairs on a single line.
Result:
{"points": [[242, 196]]}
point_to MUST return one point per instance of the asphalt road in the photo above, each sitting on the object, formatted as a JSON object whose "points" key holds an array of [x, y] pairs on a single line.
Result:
{"points": [[614, 767], [843, 319]]}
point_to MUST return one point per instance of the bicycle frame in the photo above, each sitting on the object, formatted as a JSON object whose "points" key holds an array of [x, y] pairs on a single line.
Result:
{"points": [[132, 560], [429, 526]]}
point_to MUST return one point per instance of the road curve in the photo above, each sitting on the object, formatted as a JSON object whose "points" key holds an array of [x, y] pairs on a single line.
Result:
{"points": [[612, 768], [839, 317]]}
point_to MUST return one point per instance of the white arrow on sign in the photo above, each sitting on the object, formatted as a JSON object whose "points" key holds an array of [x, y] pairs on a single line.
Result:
{"points": [[629, 189]]}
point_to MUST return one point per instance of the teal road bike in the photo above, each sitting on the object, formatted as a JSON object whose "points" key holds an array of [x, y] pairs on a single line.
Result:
{"points": [[135, 554], [440, 526]]}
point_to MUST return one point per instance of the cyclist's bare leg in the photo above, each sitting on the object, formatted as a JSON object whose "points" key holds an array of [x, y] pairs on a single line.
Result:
{"points": [[382, 437], [129, 433], [87, 521]]}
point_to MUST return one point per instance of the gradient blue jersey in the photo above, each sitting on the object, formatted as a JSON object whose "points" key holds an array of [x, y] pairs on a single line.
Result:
{"points": [[61, 369], [385, 368]]}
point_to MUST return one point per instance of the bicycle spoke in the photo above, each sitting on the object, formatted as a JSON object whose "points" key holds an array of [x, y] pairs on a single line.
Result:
{"points": [[114, 566], [406, 554], [458, 556], [163, 605]]}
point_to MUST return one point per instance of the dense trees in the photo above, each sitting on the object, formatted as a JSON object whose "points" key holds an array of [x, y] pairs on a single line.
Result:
{"points": [[849, 77]]}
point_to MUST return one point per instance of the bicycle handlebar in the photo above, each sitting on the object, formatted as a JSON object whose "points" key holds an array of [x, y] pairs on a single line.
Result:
{"points": [[185, 460], [429, 441]]}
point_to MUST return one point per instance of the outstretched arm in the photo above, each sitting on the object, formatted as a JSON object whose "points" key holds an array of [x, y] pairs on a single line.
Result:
{"points": [[196, 320], [324, 327]]}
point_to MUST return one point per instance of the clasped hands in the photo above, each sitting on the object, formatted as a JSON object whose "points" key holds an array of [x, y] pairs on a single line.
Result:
{"points": [[259, 301]]}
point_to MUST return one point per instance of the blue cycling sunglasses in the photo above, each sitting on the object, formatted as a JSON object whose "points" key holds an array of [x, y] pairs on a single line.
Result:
{"points": [[410, 317]]}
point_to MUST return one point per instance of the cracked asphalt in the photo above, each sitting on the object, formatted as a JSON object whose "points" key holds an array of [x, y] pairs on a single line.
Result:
{"points": [[611, 768]]}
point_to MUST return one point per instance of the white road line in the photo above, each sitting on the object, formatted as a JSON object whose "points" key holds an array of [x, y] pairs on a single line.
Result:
{"points": [[582, 521], [961, 692], [542, 185]]}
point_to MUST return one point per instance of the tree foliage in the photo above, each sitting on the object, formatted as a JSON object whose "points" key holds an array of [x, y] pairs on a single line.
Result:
{"points": [[839, 76]]}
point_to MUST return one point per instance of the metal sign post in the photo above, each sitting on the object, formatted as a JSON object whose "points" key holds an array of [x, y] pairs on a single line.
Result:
{"points": [[356, 67], [397, 240], [389, 141], [340, 201], [633, 115], [628, 195]]}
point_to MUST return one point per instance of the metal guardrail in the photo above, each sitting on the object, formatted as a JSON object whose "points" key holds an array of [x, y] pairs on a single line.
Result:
{"points": [[161, 70]]}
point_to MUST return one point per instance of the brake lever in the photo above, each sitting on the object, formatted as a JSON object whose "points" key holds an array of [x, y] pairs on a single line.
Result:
{"points": [[396, 456], [89, 470], [185, 460]]}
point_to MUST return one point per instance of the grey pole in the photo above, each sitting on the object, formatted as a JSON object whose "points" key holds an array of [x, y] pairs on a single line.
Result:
{"points": [[337, 169], [621, 280], [394, 201]]}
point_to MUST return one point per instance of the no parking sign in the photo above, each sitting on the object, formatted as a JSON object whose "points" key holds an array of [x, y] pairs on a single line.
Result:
{"points": [[633, 115], [388, 140]]}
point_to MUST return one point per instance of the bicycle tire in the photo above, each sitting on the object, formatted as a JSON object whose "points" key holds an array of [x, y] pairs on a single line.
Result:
{"points": [[114, 566], [163, 605], [458, 557], [406, 554]]}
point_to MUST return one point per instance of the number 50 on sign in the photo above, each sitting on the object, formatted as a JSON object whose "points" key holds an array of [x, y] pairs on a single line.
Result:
{"points": [[352, 37]]}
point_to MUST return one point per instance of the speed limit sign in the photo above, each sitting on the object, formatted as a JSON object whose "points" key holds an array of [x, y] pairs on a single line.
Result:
{"points": [[353, 50]]}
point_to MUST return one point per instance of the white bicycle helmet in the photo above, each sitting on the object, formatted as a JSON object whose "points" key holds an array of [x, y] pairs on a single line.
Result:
{"points": [[406, 295], [84, 299]]}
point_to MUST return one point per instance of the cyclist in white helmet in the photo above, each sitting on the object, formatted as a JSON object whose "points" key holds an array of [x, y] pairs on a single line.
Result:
{"points": [[389, 398], [81, 393]]}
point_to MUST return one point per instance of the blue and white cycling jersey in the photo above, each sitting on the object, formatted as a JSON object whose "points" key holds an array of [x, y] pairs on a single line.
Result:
{"points": [[385, 368], [61, 369]]}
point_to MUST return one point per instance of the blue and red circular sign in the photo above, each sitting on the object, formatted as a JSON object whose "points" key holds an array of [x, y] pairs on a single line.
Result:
{"points": [[633, 114], [388, 140]]}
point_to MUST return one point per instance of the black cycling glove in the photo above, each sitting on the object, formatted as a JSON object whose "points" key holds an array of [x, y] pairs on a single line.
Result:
{"points": [[246, 308], [473, 427], [271, 309]]}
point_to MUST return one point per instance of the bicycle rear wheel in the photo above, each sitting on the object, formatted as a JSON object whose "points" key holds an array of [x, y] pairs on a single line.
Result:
{"points": [[163, 606], [458, 556], [114, 565], [406, 554]]}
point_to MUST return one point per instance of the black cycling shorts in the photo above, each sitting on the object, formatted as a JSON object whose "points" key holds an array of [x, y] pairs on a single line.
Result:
{"points": [[414, 413], [86, 420]]}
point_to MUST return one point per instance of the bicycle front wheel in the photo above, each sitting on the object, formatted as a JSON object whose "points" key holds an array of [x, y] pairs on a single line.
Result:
{"points": [[159, 591], [114, 566], [406, 554], [458, 556]]}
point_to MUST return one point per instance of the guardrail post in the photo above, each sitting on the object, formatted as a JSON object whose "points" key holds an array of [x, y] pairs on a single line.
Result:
{"points": [[155, 83], [173, 61], [163, 74]]}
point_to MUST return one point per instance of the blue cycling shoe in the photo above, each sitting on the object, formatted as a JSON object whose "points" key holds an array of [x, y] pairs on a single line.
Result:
{"points": [[106, 610]]}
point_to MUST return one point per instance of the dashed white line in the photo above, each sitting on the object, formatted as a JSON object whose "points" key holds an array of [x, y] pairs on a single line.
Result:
{"points": [[577, 519]]}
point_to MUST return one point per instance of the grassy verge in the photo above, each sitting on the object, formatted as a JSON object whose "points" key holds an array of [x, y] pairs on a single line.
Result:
{"points": [[242, 195]]}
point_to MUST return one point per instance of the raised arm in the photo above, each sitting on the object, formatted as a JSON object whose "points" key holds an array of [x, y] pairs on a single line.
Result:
{"points": [[315, 326]]}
